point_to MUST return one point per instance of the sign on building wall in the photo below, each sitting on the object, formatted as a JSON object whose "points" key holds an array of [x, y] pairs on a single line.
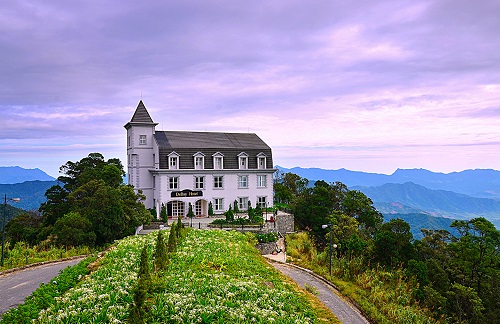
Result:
{"points": [[186, 193]]}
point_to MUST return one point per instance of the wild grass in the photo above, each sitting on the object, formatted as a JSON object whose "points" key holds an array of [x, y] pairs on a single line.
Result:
{"points": [[213, 277], [22, 254], [384, 296]]}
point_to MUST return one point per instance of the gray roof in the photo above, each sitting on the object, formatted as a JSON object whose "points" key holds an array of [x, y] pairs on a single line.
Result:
{"points": [[209, 140], [230, 145], [141, 116]]}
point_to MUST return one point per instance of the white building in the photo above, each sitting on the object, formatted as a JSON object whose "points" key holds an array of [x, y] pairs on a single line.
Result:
{"points": [[176, 168]]}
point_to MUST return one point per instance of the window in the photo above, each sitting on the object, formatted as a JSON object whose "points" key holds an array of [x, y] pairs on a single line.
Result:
{"points": [[142, 140], [219, 204], [198, 162], [243, 181], [173, 183], [218, 182], [128, 140], [243, 162], [242, 203], [154, 182], [218, 162], [177, 208], [198, 208], [261, 181], [262, 202], [199, 182], [261, 162], [173, 162]]}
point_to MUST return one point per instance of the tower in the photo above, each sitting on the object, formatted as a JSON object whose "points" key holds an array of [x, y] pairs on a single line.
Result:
{"points": [[140, 152]]}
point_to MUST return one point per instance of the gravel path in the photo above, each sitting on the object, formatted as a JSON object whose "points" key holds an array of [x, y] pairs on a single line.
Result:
{"points": [[326, 294]]}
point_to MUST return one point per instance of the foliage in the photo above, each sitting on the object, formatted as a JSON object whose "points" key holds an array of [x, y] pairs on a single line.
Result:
{"points": [[74, 230], [267, 237], [214, 277], [23, 228], [137, 310], [22, 253], [190, 213], [210, 209], [161, 256], [163, 213], [93, 189]]}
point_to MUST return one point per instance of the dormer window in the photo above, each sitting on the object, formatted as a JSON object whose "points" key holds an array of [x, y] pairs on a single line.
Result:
{"points": [[261, 161], [199, 161], [173, 161], [218, 161], [243, 161]]}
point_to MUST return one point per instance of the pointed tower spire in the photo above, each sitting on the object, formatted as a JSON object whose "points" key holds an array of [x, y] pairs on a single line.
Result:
{"points": [[140, 117]]}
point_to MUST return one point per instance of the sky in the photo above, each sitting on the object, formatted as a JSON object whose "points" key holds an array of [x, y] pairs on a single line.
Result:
{"points": [[363, 85]]}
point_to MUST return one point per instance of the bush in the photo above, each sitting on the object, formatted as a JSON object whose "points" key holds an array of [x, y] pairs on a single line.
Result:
{"points": [[268, 237]]}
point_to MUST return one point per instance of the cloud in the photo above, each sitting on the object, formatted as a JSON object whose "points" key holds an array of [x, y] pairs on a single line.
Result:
{"points": [[378, 77]]}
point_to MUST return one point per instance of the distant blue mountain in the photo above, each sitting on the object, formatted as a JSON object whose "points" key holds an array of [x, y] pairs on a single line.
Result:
{"points": [[393, 198], [32, 193], [482, 183], [15, 174]]}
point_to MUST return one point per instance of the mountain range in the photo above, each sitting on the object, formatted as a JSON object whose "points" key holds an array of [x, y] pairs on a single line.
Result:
{"points": [[16, 174], [459, 195]]}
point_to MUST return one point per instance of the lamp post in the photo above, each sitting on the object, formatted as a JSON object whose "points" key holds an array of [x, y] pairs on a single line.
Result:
{"points": [[331, 237], [3, 222]]}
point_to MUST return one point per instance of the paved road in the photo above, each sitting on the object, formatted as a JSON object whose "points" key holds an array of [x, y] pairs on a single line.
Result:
{"points": [[16, 286], [344, 312]]}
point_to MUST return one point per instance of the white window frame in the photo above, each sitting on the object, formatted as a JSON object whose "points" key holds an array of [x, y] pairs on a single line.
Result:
{"points": [[173, 183], [243, 181], [218, 160], [143, 140], [243, 161], [199, 182], [216, 182], [219, 205], [262, 201], [261, 183], [261, 161], [199, 161], [243, 203], [173, 161]]}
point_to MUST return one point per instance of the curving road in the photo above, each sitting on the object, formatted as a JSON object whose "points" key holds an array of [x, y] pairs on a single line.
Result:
{"points": [[326, 294], [18, 285]]}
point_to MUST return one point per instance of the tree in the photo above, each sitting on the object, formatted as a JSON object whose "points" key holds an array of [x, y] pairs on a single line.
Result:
{"points": [[392, 243], [465, 305], [93, 188], [210, 209], [74, 229], [287, 186], [24, 227], [137, 312], [163, 213], [161, 256], [358, 205], [190, 213]]}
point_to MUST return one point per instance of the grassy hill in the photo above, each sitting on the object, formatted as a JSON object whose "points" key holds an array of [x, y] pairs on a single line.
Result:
{"points": [[214, 277]]}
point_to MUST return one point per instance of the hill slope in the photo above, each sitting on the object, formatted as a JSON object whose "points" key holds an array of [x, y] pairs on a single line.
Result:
{"points": [[32, 193], [437, 202]]}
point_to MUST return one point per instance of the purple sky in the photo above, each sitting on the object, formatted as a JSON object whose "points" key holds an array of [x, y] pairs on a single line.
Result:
{"points": [[362, 85]]}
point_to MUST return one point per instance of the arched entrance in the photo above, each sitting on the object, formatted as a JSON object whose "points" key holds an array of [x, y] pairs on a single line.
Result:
{"points": [[201, 208], [176, 208]]}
